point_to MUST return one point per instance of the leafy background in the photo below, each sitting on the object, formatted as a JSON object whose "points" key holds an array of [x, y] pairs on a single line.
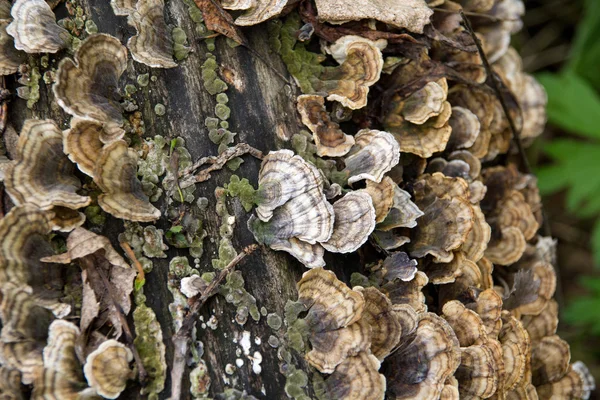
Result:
{"points": [[560, 44]]}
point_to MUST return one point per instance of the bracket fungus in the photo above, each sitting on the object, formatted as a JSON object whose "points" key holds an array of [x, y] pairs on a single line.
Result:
{"points": [[374, 154], [107, 369], [41, 174], [354, 222], [357, 378], [152, 45], [260, 11], [88, 87], [83, 143], [328, 137], [115, 174], [10, 57], [35, 29], [361, 64], [123, 7], [412, 15]]}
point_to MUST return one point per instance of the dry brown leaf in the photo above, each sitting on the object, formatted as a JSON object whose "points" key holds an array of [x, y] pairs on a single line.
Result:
{"points": [[219, 21]]}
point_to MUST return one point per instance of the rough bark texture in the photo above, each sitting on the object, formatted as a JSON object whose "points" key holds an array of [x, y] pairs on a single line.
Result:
{"points": [[263, 114]]}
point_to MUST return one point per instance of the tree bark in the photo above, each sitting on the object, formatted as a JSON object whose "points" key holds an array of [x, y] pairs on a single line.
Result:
{"points": [[263, 114]]}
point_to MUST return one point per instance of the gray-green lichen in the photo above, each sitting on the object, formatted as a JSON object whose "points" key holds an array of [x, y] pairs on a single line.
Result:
{"points": [[150, 346], [91, 27], [234, 292], [134, 236], [143, 80], [179, 268], [180, 46], [234, 394], [212, 83], [296, 381], [160, 109], [243, 190], [153, 246], [199, 380], [31, 81], [274, 321], [226, 250]]}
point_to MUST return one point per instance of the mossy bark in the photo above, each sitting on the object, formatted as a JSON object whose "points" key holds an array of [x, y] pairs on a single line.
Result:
{"points": [[263, 114]]}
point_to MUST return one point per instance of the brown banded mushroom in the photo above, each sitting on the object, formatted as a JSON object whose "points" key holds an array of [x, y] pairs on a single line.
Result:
{"points": [[578, 383], [283, 176], [403, 213], [326, 296], [550, 359], [152, 45], [107, 369], [465, 128], [488, 306], [360, 66], [408, 292], [374, 154], [10, 384], [516, 350], [238, 4], [88, 87], [123, 7], [260, 11], [83, 144], [378, 313], [544, 324], [10, 58], [382, 194], [357, 378], [412, 15], [426, 358], [328, 137], [311, 255], [34, 28], [41, 174], [546, 275], [354, 222], [115, 174]]}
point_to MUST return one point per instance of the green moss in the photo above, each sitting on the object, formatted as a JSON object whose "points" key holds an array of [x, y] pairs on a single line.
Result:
{"points": [[95, 215], [31, 90], [212, 83], [358, 279], [242, 189], [150, 346], [91, 27]]}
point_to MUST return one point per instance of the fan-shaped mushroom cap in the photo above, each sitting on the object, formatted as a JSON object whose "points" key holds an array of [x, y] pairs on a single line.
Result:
{"points": [[152, 45], [489, 307], [83, 144], [508, 248], [10, 384], [88, 87], [425, 359], [41, 174], [331, 347], [473, 162], [24, 331], [544, 324], [354, 222], [123, 7], [444, 227], [450, 389], [35, 29], [478, 238], [10, 58], [380, 316], [516, 350], [425, 103], [545, 273], [357, 378], [332, 304], [261, 11], [429, 187], [311, 255], [550, 359], [578, 383], [514, 211], [465, 128], [403, 213], [374, 154], [397, 265], [442, 273], [116, 174], [284, 176], [382, 194], [328, 137], [480, 369], [466, 324], [408, 292], [107, 369], [410, 14], [238, 4], [360, 67]]}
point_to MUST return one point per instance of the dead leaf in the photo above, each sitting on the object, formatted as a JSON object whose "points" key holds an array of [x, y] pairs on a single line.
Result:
{"points": [[96, 250], [524, 290], [216, 19]]}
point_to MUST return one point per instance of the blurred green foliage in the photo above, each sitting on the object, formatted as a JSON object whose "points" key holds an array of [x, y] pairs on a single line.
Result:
{"points": [[574, 106]]}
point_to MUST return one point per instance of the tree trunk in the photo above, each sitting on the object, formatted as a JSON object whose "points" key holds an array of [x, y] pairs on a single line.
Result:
{"points": [[264, 116]]}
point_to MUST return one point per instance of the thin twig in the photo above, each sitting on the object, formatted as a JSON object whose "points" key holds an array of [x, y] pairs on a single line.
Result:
{"points": [[478, 15], [217, 162], [131, 255], [181, 340], [143, 375]]}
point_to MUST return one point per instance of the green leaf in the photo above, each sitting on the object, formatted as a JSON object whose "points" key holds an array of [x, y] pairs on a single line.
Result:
{"points": [[572, 104], [176, 228], [596, 244], [585, 52]]}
